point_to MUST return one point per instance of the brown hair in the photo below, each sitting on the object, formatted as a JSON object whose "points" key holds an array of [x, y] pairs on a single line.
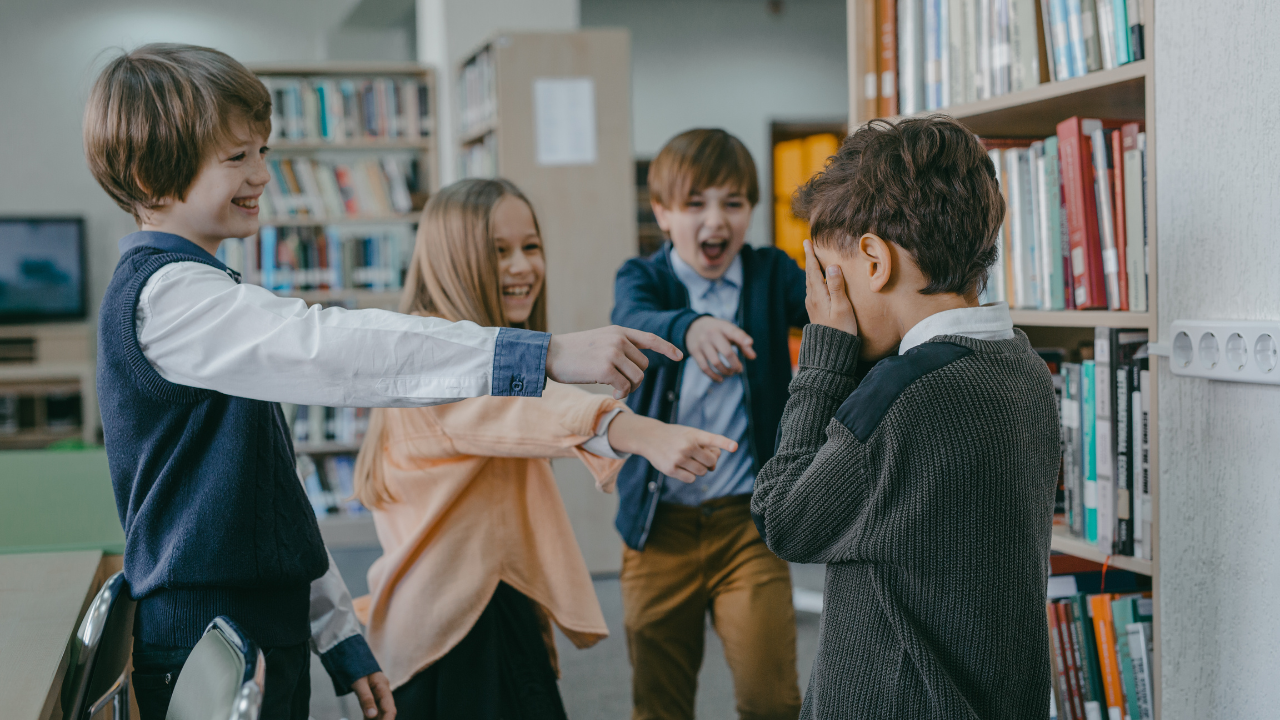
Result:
{"points": [[698, 159], [924, 184], [155, 113], [453, 274]]}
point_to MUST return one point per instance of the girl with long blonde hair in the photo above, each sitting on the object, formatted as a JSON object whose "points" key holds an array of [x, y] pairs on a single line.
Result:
{"points": [[479, 557]]}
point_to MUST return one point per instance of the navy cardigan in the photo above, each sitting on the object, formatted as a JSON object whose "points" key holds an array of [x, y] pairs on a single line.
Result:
{"points": [[648, 296]]}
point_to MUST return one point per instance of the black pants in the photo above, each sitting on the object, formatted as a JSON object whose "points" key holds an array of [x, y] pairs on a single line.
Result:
{"points": [[288, 680], [501, 669]]}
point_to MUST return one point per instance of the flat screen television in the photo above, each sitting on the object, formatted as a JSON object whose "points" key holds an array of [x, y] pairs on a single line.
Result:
{"points": [[42, 269]]}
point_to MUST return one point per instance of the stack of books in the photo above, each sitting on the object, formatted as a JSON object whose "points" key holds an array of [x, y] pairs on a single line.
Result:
{"points": [[302, 188], [1101, 653], [291, 259], [1075, 232], [341, 110], [932, 54], [477, 95], [1105, 405]]}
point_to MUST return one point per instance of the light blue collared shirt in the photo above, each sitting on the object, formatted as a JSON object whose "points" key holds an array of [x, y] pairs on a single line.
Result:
{"points": [[708, 405]]}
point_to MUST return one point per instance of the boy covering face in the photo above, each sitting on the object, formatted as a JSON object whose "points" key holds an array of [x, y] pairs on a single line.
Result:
{"points": [[926, 487]]}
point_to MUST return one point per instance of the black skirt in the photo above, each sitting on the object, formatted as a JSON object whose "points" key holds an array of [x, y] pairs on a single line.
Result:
{"points": [[500, 670]]}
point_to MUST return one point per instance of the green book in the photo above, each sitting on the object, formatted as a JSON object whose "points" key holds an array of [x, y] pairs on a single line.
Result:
{"points": [[1088, 658], [1125, 611], [1056, 224]]}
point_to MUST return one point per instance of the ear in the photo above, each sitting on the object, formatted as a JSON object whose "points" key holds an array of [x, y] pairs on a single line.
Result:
{"points": [[663, 216], [879, 260]]}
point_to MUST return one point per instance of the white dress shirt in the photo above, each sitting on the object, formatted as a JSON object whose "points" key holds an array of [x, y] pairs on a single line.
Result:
{"points": [[985, 322]]}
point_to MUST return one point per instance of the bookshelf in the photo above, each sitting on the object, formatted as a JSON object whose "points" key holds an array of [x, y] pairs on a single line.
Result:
{"points": [[378, 122], [48, 383], [515, 92], [1125, 92]]}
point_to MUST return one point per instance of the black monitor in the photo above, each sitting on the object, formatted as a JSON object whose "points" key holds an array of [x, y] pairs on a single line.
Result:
{"points": [[42, 269]]}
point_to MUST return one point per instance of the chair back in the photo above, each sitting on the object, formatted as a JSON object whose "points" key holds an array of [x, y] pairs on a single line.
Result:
{"points": [[98, 671], [223, 677]]}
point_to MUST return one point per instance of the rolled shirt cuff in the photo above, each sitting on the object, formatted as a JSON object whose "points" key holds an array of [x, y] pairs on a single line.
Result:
{"points": [[349, 661], [520, 363], [599, 443]]}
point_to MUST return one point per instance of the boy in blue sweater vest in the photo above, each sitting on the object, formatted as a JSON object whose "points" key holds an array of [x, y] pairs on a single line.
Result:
{"points": [[192, 366], [693, 549]]}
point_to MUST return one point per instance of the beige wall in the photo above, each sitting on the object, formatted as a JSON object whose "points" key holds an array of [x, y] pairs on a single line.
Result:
{"points": [[1216, 66]]}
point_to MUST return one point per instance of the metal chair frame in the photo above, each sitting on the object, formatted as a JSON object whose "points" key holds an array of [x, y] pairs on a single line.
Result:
{"points": [[111, 602]]}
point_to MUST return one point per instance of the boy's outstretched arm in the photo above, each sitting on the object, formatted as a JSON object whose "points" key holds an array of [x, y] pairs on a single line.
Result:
{"points": [[610, 356]]}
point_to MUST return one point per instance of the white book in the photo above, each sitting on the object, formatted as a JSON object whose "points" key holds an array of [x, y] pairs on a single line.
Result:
{"points": [[982, 77], [911, 70], [1106, 214], [1044, 232], [1107, 33], [1000, 55], [995, 276], [1141, 647], [1135, 210], [969, 45], [1104, 463], [303, 170], [956, 57], [1021, 227], [1024, 45]]}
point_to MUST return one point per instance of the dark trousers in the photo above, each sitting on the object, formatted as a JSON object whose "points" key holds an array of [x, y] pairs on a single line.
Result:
{"points": [[501, 669], [287, 684]]}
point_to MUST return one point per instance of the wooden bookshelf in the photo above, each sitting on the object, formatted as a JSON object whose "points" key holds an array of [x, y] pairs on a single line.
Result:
{"points": [[586, 210], [1125, 92]]}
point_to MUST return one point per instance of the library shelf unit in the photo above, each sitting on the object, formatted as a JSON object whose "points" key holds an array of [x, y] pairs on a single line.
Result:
{"points": [[1125, 92], [579, 172], [414, 145], [55, 362]]}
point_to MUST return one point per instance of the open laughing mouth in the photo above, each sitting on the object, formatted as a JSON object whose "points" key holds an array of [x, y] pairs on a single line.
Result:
{"points": [[713, 250], [518, 292], [248, 203]]}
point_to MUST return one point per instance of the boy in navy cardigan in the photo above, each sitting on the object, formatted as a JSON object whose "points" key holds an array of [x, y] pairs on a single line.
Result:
{"points": [[192, 366], [693, 548]]}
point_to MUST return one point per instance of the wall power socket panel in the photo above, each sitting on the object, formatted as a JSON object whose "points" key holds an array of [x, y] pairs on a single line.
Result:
{"points": [[1245, 351]]}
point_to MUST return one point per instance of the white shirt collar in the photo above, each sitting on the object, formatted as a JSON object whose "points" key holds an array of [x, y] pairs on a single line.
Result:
{"points": [[985, 322], [698, 285]]}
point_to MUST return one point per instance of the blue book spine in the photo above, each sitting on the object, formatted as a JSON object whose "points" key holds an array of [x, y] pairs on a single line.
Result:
{"points": [[1063, 64], [1053, 207], [932, 54], [1075, 35], [1122, 32], [1088, 414], [324, 113], [267, 243]]}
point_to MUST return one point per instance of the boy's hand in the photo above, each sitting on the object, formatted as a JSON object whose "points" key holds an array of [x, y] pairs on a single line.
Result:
{"points": [[826, 298], [683, 453], [711, 342], [374, 693], [608, 355]]}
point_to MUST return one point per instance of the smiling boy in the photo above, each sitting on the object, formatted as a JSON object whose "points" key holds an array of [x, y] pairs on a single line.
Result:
{"points": [[192, 365], [692, 548], [926, 487]]}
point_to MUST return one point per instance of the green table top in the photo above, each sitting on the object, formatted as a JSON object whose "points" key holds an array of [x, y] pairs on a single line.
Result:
{"points": [[52, 501]]}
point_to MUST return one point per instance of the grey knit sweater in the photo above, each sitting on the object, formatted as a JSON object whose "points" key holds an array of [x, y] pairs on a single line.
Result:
{"points": [[928, 490]]}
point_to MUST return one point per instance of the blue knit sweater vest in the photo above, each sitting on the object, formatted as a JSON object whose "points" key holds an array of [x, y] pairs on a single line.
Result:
{"points": [[215, 519]]}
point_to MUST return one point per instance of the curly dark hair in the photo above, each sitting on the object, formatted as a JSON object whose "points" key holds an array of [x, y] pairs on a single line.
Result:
{"points": [[924, 184]]}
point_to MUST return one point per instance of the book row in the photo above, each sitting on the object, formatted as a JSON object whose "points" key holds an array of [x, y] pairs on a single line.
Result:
{"points": [[1075, 234], [1101, 655], [310, 258], [931, 54], [479, 159], [302, 188], [1105, 406], [477, 94], [316, 424], [330, 484], [340, 110]]}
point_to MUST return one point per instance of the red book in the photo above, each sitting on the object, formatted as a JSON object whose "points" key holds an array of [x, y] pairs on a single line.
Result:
{"points": [[322, 262], [342, 174], [1058, 660], [1117, 215], [1075, 680], [1075, 154], [887, 57]]}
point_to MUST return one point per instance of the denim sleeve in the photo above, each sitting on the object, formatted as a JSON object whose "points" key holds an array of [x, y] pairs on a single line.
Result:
{"points": [[520, 363]]}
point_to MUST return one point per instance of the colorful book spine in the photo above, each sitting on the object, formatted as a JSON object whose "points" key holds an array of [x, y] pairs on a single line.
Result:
{"points": [[1116, 162], [1135, 216], [1101, 147], [1074, 147], [1088, 414], [1064, 61], [1104, 633], [887, 57], [1072, 479], [1058, 661], [1125, 611], [1075, 36], [1121, 13], [1053, 225], [1087, 660]]}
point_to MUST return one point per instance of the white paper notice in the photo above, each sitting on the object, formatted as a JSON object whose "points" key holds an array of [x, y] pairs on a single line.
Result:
{"points": [[564, 120]]}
